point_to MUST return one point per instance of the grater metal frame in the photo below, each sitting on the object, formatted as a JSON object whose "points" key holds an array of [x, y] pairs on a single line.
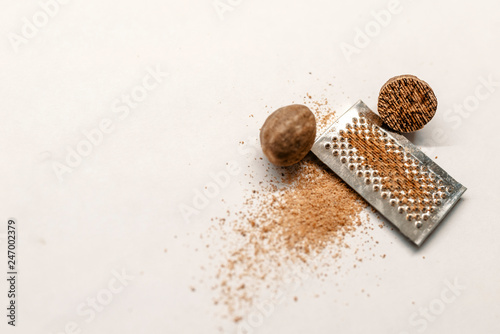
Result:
{"points": [[417, 231]]}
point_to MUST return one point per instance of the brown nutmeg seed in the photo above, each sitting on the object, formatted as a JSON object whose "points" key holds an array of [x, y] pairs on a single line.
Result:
{"points": [[406, 103], [288, 134]]}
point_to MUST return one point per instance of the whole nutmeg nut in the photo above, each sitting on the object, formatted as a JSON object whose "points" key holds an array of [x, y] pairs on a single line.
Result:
{"points": [[406, 103], [288, 134]]}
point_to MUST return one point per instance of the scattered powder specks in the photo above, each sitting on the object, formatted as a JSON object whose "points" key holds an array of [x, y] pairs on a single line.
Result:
{"points": [[293, 225]]}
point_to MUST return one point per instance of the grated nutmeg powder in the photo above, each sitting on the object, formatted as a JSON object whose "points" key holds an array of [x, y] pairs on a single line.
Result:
{"points": [[300, 216]]}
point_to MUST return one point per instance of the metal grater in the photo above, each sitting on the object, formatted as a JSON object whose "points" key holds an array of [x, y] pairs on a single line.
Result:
{"points": [[389, 172]]}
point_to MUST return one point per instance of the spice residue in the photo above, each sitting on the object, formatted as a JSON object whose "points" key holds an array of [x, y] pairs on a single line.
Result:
{"points": [[301, 216]]}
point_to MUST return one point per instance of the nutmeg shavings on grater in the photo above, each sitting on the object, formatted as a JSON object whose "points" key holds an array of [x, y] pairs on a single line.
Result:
{"points": [[389, 172]]}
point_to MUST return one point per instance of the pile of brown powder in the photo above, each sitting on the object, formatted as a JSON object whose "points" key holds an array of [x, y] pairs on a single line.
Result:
{"points": [[298, 215]]}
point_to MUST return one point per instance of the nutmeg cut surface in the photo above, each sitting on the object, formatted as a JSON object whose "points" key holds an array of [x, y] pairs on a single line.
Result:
{"points": [[406, 103]]}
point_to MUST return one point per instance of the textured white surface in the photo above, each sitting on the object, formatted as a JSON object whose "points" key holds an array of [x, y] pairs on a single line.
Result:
{"points": [[119, 207]]}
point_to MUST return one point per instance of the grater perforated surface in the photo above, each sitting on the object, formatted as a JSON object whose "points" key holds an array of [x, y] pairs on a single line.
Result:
{"points": [[389, 172]]}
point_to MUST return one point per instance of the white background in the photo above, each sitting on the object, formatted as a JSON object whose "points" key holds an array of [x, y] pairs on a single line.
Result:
{"points": [[118, 210]]}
